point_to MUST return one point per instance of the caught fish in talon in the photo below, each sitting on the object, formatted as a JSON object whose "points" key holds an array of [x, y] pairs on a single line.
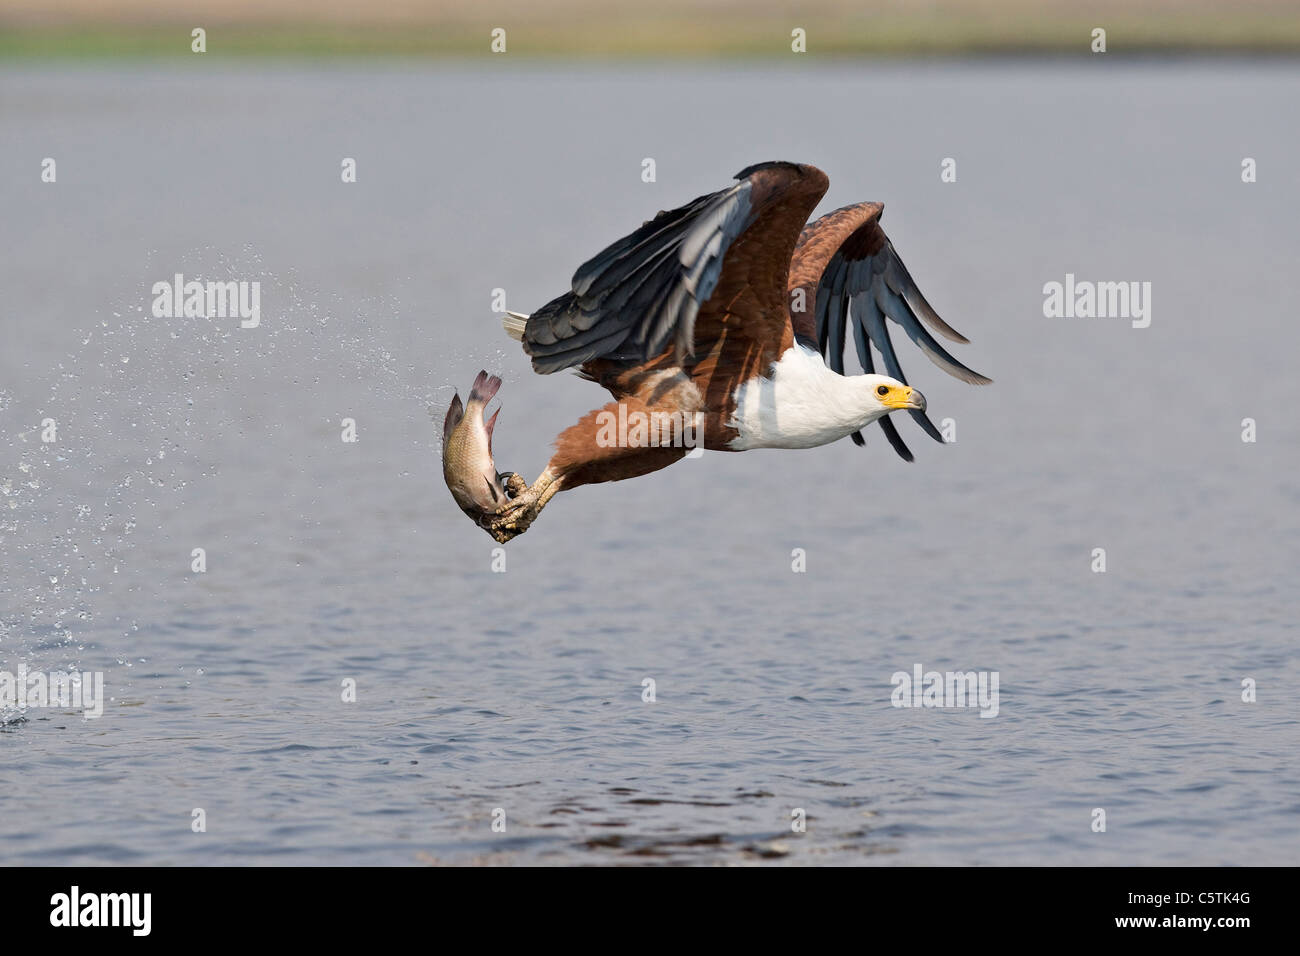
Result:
{"points": [[467, 464]]}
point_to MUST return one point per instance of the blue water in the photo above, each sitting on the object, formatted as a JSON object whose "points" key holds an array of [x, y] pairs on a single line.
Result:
{"points": [[522, 691]]}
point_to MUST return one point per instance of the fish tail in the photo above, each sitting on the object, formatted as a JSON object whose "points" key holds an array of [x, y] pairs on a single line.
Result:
{"points": [[484, 388]]}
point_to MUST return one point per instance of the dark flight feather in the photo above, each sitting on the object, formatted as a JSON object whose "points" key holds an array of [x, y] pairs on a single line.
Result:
{"points": [[858, 278], [634, 297]]}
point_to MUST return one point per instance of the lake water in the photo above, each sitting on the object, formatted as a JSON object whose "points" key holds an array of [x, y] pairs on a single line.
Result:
{"points": [[329, 561]]}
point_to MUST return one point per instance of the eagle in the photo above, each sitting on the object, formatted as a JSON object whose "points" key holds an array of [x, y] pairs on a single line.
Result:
{"points": [[725, 321]]}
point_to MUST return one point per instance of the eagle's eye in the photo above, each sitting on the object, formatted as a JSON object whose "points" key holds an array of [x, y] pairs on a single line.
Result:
{"points": [[882, 390]]}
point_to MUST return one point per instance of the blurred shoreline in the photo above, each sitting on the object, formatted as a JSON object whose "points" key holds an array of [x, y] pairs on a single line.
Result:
{"points": [[700, 29]]}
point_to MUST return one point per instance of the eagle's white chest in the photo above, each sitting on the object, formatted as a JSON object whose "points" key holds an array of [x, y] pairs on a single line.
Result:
{"points": [[801, 404]]}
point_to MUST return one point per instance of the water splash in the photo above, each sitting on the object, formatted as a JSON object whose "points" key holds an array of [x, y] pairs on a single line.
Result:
{"points": [[144, 409]]}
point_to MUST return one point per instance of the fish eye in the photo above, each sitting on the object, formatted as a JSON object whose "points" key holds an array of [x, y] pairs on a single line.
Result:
{"points": [[882, 390]]}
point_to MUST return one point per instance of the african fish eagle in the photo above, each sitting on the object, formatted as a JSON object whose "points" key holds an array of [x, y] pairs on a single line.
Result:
{"points": [[731, 311]]}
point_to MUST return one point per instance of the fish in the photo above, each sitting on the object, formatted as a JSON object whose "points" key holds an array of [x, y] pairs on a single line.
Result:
{"points": [[467, 465]]}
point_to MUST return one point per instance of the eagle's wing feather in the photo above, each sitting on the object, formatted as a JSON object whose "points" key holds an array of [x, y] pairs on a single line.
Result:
{"points": [[648, 290], [846, 267]]}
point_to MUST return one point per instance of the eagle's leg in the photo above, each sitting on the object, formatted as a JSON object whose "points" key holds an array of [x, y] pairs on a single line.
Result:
{"points": [[587, 452]]}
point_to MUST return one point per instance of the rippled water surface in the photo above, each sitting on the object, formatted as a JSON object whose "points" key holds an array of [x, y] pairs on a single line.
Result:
{"points": [[478, 690]]}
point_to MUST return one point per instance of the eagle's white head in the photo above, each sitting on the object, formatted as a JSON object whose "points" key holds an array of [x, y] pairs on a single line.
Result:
{"points": [[880, 395], [868, 398]]}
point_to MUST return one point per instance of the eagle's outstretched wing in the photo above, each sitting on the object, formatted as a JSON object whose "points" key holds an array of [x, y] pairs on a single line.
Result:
{"points": [[844, 262], [644, 292]]}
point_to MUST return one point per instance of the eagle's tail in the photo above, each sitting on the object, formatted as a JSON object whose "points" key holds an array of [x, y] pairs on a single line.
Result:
{"points": [[514, 323]]}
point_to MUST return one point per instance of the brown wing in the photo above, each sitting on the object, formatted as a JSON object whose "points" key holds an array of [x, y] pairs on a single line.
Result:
{"points": [[843, 259], [745, 325], [710, 272]]}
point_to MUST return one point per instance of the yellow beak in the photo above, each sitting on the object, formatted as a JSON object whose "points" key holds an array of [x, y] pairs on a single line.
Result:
{"points": [[904, 397]]}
